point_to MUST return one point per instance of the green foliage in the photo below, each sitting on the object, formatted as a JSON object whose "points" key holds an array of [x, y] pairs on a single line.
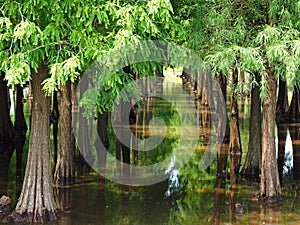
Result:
{"points": [[71, 34]]}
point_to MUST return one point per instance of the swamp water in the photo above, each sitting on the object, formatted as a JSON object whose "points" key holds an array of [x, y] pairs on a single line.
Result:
{"points": [[188, 196]]}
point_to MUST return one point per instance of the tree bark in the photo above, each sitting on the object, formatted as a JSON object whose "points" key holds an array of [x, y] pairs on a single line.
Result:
{"points": [[36, 203], [235, 147], [7, 130], [20, 123], [253, 159], [294, 109], [64, 170], [269, 183], [282, 105]]}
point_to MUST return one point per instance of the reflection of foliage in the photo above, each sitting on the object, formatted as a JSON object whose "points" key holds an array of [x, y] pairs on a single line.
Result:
{"points": [[165, 111], [194, 208], [190, 176], [127, 205]]}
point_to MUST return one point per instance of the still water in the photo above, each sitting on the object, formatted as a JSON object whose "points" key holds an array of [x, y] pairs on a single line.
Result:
{"points": [[189, 194]]}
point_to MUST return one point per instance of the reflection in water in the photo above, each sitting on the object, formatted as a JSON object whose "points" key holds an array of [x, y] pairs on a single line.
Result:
{"points": [[189, 196], [172, 172]]}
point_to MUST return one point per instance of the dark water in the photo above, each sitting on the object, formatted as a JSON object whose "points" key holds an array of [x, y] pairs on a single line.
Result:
{"points": [[189, 196]]}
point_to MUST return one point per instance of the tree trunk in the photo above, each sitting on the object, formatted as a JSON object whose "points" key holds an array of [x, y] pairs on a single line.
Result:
{"points": [[102, 130], [7, 150], [7, 130], [269, 183], [223, 143], [282, 105], [85, 155], [294, 110], [36, 203], [253, 159], [20, 123], [64, 170], [19, 158], [54, 120], [235, 147]]}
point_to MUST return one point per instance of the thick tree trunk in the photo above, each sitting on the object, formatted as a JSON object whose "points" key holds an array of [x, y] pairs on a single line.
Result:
{"points": [[7, 130], [20, 123], [54, 120], [269, 183], [235, 147], [282, 105], [36, 203], [64, 170], [253, 159]]}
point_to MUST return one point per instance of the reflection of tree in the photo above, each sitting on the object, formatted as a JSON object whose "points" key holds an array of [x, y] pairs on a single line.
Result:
{"points": [[219, 200], [282, 133], [295, 136], [63, 198], [194, 207]]}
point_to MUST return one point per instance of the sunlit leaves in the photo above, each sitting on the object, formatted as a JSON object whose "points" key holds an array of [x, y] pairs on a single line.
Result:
{"points": [[268, 35], [26, 29], [5, 22], [18, 71], [61, 72], [277, 53]]}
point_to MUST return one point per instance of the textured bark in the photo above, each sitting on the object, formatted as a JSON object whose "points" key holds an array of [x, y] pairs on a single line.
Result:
{"points": [[269, 183], [36, 202], [7, 130], [253, 159], [20, 123], [282, 105], [235, 147], [64, 170]]}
